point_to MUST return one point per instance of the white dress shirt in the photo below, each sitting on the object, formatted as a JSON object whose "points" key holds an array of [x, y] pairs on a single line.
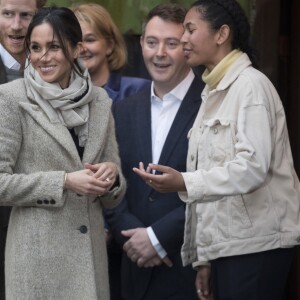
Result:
{"points": [[163, 112], [8, 61]]}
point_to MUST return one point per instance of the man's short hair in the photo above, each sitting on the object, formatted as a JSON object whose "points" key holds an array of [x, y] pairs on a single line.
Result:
{"points": [[40, 3], [171, 12]]}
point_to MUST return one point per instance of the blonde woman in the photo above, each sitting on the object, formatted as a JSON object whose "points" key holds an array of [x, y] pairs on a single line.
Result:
{"points": [[104, 52]]}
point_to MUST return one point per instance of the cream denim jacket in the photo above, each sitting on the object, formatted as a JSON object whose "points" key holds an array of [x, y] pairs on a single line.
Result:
{"points": [[242, 190]]}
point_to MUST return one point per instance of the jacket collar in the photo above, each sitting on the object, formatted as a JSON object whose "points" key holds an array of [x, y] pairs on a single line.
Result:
{"points": [[186, 113], [143, 125], [232, 74], [113, 85]]}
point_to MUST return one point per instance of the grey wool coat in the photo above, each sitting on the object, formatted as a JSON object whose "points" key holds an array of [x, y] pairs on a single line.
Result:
{"points": [[55, 243]]}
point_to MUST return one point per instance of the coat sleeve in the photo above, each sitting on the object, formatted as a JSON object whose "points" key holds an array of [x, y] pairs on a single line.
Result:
{"points": [[35, 189], [250, 165]]}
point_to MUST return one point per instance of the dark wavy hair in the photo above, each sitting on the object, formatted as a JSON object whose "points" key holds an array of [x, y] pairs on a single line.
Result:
{"points": [[65, 27], [220, 12]]}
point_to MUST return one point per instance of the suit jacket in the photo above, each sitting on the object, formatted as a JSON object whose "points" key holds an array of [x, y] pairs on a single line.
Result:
{"points": [[55, 245], [120, 87], [2, 72], [142, 206]]}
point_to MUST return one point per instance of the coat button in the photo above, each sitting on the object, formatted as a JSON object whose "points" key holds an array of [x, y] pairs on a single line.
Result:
{"points": [[39, 202], [151, 199], [215, 130], [192, 157], [83, 229], [52, 201]]}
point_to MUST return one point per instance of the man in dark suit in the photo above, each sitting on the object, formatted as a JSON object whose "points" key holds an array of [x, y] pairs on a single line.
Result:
{"points": [[15, 17], [152, 126]]}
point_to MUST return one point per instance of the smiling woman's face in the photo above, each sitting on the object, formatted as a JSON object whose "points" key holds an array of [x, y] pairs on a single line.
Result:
{"points": [[47, 57], [95, 50]]}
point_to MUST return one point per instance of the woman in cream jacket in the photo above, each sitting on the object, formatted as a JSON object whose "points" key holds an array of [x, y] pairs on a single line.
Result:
{"points": [[51, 123], [241, 189]]}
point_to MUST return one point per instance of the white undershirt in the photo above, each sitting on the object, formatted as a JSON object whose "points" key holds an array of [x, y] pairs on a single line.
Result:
{"points": [[163, 112]]}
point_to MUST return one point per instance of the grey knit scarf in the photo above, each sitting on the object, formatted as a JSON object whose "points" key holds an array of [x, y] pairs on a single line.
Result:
{"points": [[69, 107]]}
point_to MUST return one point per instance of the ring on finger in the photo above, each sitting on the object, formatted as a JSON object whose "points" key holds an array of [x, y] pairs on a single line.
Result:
{"points": [[198, 291], [133, 258], [150, 181]]}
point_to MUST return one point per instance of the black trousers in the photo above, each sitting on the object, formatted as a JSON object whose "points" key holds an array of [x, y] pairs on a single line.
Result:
{"points": [[257, 276]]}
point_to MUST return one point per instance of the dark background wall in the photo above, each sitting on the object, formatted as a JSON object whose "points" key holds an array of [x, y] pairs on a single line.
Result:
{"points": [[276, 32]]}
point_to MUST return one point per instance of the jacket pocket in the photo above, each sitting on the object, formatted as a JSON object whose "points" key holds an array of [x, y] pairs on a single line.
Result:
{"points": [[262, 211], [240, 221], [206, 223], [232, 218], [220, 141], [194, 136]]}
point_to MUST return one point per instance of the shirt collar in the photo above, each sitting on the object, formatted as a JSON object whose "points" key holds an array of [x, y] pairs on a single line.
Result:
{"points": [[179, 90], [8, 61]]}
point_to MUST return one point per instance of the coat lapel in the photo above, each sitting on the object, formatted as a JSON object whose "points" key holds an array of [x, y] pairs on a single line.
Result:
{"points": [[187, 111], [143, 127], [98, 119], [58, 132]]}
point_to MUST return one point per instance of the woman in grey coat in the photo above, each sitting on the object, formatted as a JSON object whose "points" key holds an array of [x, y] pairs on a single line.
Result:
{"points": [[55, 127]]}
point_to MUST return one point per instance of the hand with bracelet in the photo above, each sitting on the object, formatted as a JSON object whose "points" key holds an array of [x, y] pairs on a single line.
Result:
{"points": [[84, 183], [95, 180]]}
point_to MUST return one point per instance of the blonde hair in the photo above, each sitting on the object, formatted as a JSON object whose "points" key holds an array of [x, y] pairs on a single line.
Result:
{"points": [[103, 25]]}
